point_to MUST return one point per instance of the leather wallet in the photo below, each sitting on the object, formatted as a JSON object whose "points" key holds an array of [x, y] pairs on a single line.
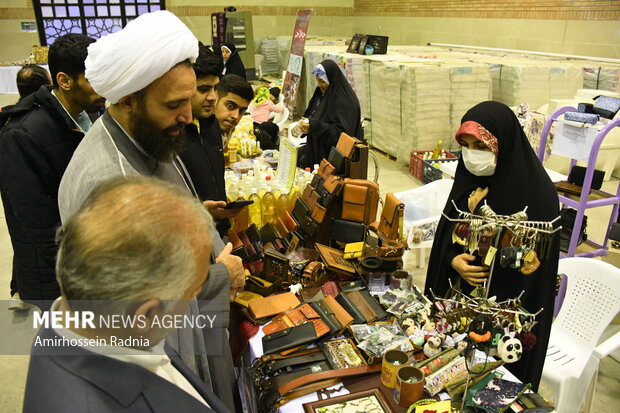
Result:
{"points": [[309, 226], [330, 288], [357, 166], [326, 201], [310, 294], [346, 145], [328, 316], [234, 239], [344, 318], [347, 231], [336, 159], [259, 285], [320, 189], [244, 298], [353, 250], [364, 307], [316, 181], [268, 233], [300, 211], [253, 234], [374, 304], [280, 228], [318, 213], [288, 221], [275, 304], [373, 197], [289, 337], [352, 285], [310, 197], [275, 265], [391, 217], [302, 314], [354, 203], [333, 184], [350, 308], [334, 260], [325, 169]]}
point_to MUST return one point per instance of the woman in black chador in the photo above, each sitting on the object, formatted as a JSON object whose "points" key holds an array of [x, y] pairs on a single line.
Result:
{"points": [[333, 109], [500, 167], [232, 60]]}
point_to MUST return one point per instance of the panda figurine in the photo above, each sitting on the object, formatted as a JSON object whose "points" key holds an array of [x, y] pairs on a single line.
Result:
{"points": [[509, 349]]}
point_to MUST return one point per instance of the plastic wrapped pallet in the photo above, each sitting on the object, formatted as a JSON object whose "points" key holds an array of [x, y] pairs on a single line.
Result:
{"points": [[269, 49], [425, 107], [598, 76], [385, 107]]}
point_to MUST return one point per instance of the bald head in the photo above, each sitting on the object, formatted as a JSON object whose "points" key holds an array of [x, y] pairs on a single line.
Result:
{"points": [[135, 238]]}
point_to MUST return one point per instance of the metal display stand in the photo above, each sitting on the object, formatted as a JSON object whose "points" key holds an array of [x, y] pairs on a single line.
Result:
{"points": [[589, 198]]}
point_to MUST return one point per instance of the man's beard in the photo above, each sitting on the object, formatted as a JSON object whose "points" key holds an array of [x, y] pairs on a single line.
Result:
{"points": [[155, 141]]}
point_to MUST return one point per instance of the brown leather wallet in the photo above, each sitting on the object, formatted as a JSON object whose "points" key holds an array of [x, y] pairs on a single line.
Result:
{"points": [[333, 184], [280, 228], [325, 169], [302, 314], [346, 145], [341, 314], [275, 304], [288, 221], [362, 305], [318, 213]]}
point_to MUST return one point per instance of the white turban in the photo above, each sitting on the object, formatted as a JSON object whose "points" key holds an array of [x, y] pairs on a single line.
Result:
{"points": [[127, 61]]}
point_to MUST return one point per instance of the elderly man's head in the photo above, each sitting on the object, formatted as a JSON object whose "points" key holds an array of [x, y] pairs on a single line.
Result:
{"points": [[145, 73], [136, 241]]}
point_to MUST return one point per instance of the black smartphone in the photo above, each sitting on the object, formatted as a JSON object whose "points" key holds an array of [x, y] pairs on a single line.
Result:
{"points": [[237, 204]]}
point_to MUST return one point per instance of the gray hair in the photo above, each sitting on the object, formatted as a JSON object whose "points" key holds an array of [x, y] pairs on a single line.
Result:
{"points": [[135, 238]]}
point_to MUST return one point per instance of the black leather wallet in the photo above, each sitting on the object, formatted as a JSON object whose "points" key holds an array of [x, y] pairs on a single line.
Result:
{"points": [[295, 363], [320, 189], [328, 316], [336, 158], [347, 231], [259, 285], [289, 337], [300, 211], [316, 181], [253, 234], [309, 226], [348, 305], [268, 233]]}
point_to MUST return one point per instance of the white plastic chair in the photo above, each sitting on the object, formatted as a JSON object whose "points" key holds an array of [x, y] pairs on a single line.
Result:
{"points": [[423, 205], [592, 301]]}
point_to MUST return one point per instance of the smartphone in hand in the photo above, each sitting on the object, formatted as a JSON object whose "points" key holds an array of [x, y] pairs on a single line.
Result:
{"points": [[238, 204]]}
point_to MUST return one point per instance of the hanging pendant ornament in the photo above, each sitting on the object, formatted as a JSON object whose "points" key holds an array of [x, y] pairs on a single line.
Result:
{"points": [[530, 263], [509, 349]]}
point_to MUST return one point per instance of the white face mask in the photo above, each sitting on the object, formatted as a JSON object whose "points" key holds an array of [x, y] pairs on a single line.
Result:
{"points": [[479, 163]]}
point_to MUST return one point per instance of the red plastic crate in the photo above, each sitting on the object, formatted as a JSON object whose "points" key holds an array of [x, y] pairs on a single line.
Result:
{"points": [[417, 162]]}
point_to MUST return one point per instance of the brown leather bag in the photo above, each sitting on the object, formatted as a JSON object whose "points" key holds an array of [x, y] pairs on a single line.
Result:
{"points": [[389, 223], [275, 304], [360, 200], [346, 145]]}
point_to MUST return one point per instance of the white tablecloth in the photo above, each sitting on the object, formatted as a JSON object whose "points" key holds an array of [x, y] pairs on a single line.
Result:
{"points": [[8, 76]]}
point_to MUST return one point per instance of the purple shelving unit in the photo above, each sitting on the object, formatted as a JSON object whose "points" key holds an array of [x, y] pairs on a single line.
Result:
{"points": [[584, 201]]}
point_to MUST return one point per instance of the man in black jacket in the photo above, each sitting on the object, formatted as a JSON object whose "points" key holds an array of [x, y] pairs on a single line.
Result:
{"points": [[36, 145], [203, 153]]}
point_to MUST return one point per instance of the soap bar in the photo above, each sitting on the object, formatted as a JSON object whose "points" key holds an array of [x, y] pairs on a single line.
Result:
{"points": [[581, 117]]}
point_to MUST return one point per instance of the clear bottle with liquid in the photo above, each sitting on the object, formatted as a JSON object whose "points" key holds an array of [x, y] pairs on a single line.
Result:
{"points": [[256, 212], [282, 203], [269, 206], [293, 195], [241, 221]]}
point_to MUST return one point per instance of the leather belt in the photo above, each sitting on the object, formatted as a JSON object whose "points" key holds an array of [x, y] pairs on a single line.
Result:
{"points": [[329, 374]]}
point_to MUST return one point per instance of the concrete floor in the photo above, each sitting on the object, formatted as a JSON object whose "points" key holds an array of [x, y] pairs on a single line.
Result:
{"points": [[393, 177]]}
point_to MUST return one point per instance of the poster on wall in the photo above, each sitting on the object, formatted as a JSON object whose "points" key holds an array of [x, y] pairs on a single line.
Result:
{"points": [[295, 63]]}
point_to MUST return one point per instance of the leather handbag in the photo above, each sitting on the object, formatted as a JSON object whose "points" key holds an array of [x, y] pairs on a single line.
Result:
{"points": [[346, 145], [289, 337], [391, 218], [333, 184], [353, 250], [328, 316], [346, 303], [325, 169], [347, 231], [300, 211], [355, 203], [275, 304], [318, 213], [372, 198], [337, 160], [344, 318]]}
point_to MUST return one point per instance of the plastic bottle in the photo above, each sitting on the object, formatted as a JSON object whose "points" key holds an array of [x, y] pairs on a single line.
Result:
{"points": [[256, 213], [293, 195], [269, 206], [282, 203], [437, 150], [241, 221]]}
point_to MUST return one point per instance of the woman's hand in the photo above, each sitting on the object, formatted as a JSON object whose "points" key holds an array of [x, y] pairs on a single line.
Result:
{"points": [[474, 275], [304, 125], [475, 197]]}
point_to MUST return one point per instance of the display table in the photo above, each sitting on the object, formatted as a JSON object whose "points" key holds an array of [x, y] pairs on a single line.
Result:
{"points": [[8, 76]]}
